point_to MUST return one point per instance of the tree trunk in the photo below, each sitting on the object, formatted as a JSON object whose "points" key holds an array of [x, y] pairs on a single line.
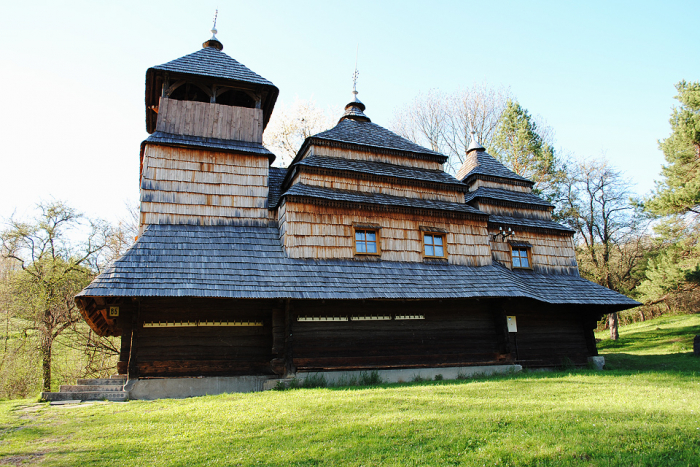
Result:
{"points": [[46, 344], [612, 324]]}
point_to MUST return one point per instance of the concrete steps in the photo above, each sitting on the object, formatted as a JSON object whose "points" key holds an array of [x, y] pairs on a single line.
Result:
{"points": [[111, 389]]}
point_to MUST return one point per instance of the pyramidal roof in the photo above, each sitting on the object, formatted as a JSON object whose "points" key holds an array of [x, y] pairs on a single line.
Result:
{"points": [[480, 162], [210, 61], [364, 133]]}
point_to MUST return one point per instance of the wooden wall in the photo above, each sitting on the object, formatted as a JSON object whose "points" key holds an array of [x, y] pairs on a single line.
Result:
{"points": [[190, 186], [551, 253], [203, 350], [374, 186], [210, 120], [313, 231], [407, 161], [503, 186], [497, 210], [548, 335], [453, 333]]}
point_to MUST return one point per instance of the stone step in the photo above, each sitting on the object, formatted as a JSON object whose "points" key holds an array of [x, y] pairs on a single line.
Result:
{"points": [[85, 396], [91, 387], [102, 381]]}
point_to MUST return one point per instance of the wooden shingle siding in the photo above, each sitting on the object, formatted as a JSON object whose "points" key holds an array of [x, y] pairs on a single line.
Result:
{"points": [[512, 211], [373, 157], [367, 186], [550, 253], [192, 186], [313, 231], [210, 120], [478, 183], [452, 333]]}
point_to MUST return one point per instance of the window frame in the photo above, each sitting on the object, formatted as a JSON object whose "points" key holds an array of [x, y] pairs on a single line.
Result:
{"points": [[434, 234], [528, 251], [365, 229]]}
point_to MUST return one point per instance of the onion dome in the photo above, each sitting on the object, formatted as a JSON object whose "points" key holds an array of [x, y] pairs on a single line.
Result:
{"points": [[355, 110], [213, 42]]}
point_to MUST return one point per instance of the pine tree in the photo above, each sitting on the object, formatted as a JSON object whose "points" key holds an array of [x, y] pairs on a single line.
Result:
{"points": [[524, 148], [679, 191]]}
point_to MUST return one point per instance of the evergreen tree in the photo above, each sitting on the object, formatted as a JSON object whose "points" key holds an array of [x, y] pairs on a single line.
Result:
{"points": [[524, 148], [679, 191]]}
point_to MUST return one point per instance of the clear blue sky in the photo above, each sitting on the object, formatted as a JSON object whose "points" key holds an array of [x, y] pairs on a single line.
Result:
{"points": [[602, 74]]}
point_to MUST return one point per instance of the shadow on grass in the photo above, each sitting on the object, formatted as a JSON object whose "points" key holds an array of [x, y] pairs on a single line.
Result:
{"points": [[683, 362], [647, 340]]}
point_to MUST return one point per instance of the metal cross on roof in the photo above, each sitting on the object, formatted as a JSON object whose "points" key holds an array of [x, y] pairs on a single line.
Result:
{"points": [[356, 73], [213, 29]]}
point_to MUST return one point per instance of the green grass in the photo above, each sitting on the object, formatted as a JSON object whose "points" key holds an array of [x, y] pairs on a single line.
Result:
{"points": [[661, 344], [621, 417]]}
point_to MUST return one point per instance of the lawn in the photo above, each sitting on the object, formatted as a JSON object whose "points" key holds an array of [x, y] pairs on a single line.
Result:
{"points": [[620, 417]]}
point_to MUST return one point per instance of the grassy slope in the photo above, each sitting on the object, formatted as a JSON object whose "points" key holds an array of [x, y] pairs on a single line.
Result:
{"points": [[662, 344], [616, 417]]}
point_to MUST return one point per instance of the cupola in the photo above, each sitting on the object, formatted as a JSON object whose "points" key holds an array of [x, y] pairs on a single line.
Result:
{"points": [[208, 76]]}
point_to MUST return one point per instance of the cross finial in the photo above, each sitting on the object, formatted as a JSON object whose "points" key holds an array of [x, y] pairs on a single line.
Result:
{"points": [[213, 29], [356, 73]]}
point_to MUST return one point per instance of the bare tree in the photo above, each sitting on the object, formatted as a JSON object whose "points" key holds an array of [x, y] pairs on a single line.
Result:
{"points": [[53, 268], [609, 232], [290, 126], [442, 122]]}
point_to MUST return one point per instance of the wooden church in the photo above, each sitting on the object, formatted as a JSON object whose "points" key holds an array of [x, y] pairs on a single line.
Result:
{"points": [[363, 254]]}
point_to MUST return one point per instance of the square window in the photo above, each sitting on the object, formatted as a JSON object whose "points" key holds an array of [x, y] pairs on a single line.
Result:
{"points": [[434, 245], [520, 257], [366, 242]]}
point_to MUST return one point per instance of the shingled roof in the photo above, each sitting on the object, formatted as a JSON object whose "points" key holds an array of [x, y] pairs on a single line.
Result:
{"points": [[383, 170], [215, 63], [367, 134], [249, 262], [485, 193], [528, 223], [305, 191], [170, 139], [274, 184], [483, 163]]}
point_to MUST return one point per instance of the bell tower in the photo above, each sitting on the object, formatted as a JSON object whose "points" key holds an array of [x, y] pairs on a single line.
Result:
{"points": [[204, 163]]}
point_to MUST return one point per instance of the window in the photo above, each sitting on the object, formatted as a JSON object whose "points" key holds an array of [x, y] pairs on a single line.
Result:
{"points": [[366, 242], [434, 245], [520, 257]]}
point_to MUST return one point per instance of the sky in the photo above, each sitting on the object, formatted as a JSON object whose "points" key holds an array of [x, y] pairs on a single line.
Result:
{"points": [[72, 117]]}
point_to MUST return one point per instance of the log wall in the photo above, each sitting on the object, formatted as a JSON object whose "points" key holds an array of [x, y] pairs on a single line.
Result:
{"points": [[373, 157], [322, 232], [204, 350], [190, 186], [210, 120], [453, 333], [374, 186], [551, 253], [551, 335]]}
